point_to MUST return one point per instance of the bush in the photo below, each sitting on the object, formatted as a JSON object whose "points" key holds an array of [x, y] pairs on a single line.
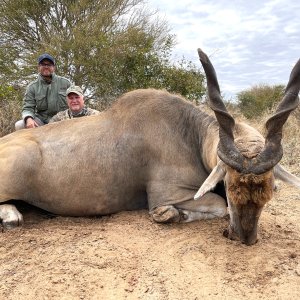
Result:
{"points": [[258, 99], [10, 108], [290, 138]]}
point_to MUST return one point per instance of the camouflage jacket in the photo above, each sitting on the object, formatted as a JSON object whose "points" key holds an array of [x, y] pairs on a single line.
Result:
{"points": [[67, 114]]}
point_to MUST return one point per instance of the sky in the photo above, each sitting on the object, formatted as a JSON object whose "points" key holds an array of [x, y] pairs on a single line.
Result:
{"points": [[249, 42]]}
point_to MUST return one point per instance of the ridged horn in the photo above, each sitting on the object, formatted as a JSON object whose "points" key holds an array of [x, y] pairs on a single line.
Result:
{"points": [[227, 151], [272, 152]]}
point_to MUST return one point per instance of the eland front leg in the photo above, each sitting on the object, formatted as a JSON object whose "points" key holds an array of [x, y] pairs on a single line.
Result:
{"points": [[209, 206]]}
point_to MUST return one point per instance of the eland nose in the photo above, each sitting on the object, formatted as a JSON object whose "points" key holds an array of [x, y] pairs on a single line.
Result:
{"points": [[250, 240]]}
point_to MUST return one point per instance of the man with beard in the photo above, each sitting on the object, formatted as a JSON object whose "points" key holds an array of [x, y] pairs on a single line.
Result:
{"points": [[45, 96]]}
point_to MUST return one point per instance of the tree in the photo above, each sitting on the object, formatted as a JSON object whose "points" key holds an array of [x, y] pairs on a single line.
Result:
{"points": [[256, 100], [10, 107], [106, 46]]}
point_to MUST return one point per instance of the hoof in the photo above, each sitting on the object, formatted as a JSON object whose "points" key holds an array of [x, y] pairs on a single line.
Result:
{"points": [[166, 214], [10, 216], [12, 224]]}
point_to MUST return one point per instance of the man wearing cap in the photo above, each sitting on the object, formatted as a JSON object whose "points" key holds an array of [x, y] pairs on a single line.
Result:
{"points": [[45, 96], [75, 100]]}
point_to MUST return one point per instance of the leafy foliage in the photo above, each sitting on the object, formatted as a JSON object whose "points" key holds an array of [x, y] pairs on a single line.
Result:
{"points": [[258, 99], [10, 107], [106, 46]]}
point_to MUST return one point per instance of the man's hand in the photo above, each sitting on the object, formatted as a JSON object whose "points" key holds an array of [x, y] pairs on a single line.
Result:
{"points": [[30, 123]]}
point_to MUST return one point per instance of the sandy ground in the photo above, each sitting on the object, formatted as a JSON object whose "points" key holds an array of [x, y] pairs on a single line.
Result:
{"points": [[128, 256]]}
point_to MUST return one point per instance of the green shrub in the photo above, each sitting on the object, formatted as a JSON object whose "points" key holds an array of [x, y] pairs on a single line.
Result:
{"points": [[258, 99], [10, 108]]}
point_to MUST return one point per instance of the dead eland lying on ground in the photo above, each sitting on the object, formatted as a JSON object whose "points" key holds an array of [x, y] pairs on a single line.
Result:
{"points": [[154, 149]]}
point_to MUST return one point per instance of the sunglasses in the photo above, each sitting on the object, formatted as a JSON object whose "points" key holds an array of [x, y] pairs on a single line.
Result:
{"points": [[46, 65]]}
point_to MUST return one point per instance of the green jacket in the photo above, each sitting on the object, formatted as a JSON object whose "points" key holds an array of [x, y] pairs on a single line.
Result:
{"points": [[44, 100]]}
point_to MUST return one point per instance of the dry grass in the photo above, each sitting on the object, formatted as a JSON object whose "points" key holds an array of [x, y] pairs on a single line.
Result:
{"points": [[290, 141], [10, 112], [10, 107]]}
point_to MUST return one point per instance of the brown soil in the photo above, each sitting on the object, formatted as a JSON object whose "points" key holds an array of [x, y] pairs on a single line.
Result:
{"points": [[128, 256]]}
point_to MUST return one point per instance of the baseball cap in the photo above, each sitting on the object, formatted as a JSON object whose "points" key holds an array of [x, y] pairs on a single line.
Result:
{"points": [[46, 56], [74, 89]]}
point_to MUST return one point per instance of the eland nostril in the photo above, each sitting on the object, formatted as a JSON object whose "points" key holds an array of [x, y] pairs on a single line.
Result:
{"points": [[226, 233], [250, 241]]}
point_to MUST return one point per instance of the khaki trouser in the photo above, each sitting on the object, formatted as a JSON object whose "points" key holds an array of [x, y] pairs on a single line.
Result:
{"points": [[21, 124]]}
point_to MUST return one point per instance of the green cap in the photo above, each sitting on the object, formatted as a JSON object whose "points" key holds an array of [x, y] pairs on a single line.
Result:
{"points": [[75, 89]]}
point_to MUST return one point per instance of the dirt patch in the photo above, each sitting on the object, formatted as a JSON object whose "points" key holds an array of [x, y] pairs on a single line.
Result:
{"points": [[128, 256]]}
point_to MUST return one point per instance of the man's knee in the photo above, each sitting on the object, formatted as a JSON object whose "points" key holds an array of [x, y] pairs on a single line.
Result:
{"points": [[19, 125]]}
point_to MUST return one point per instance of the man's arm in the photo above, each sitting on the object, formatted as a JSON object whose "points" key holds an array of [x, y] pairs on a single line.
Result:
{"points": [[29, 104], [62, 115]]}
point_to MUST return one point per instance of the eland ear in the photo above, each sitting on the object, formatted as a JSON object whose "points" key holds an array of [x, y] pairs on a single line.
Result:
{"points": [[282, 174], [216, 175]]}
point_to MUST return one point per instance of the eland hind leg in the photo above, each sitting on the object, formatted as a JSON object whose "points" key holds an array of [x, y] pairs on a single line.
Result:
{"points": [[208, 206]]}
